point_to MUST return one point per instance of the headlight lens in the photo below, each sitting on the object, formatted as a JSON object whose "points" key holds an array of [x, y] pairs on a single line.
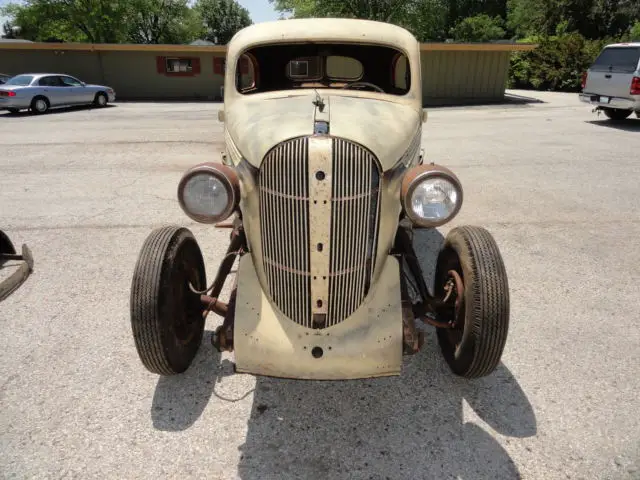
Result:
{"points": [[209, 193], [205, 194], [431, 195], [434, 199]]}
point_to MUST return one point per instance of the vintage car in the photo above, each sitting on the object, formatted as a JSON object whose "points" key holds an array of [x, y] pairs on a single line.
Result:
{"points": [[324, 182]]}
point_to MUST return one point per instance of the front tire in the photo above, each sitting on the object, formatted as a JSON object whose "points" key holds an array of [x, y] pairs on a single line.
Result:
{"points": [[616, 114], [166, 316], [100, 100], [473, 349]]}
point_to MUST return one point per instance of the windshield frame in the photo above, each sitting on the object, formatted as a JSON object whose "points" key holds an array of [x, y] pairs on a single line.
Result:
{"points": [[394, 51]]}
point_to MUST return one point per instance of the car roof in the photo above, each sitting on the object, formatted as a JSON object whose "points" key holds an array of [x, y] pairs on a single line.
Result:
{"points": [[39, 74], [627, 44], [324, 30]]}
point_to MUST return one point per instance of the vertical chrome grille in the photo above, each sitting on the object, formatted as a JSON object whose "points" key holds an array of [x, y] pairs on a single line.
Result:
{"points": [[287, 234], [284, 217], [354, 223]]}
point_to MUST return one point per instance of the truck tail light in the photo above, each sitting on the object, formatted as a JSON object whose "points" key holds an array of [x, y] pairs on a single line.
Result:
{"points": [[584, 79], [635, 86]]}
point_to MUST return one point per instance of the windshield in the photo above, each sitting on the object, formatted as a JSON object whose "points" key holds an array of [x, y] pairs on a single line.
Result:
{"points": [[20, 80], [622, 59], [373, 68]]}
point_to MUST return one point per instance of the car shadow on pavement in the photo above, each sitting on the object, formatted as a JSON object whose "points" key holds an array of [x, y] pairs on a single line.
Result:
{"points": [[629, 125], [409, 426], [26, 113], [179, 400]]}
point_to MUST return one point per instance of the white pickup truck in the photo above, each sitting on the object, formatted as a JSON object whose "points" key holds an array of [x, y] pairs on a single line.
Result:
{"points": [[612, 83]]}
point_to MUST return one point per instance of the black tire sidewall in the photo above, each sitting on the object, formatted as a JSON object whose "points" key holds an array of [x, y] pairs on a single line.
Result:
{"points": [[486, 301], [180, 355], [158, 294], [455, 255]]}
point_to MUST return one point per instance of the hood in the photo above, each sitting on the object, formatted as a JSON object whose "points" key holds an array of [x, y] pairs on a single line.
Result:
{"points": [[386, 128]]}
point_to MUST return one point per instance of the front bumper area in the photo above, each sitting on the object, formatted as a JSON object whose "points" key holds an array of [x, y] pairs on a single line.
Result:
{"points": [[367, 344], [613, 102]]}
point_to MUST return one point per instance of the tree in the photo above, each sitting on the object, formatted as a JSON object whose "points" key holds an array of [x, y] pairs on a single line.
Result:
{"points": [[35, 22], [8, 30], [162, 21], [591, 18], [480, 28], [222, 19], [427, 20], [95, 21], [381, 10]]}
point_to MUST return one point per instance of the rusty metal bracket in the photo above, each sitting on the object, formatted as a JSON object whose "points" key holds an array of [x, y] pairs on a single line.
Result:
{"points": [[222, 338]]}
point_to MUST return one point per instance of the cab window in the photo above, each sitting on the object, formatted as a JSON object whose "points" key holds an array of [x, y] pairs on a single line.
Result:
{"points": [[373, 68]]}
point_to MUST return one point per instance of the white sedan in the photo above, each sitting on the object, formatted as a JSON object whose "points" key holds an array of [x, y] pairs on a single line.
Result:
{"points": [[43, 91]]}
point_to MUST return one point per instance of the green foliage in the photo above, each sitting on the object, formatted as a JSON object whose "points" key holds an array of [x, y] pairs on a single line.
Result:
{"points": [[162, 21], [427, 19], [222, 19], [557, 64], [635, 32], [381, 10], [42, 21], [126, 21], [479, 28], [592, 18]]}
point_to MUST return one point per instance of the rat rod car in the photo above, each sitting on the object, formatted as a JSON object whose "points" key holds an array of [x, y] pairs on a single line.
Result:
{"points": [[324, 180]]}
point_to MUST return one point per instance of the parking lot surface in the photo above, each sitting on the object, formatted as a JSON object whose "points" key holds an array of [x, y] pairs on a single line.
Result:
{"points": [[558, 188]]}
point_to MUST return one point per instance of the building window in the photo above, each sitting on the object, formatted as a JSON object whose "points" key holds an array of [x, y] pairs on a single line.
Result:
{"points": [[179, 65]]}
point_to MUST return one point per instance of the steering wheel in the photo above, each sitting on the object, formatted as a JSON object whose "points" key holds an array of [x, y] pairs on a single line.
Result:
{"points": [[365, 85]]}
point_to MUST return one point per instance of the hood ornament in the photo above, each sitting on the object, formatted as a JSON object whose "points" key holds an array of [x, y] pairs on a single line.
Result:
{"points": [[319, 102]]}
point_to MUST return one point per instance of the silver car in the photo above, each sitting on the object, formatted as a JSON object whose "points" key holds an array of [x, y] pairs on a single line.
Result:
{"points": [[612, 83], [40, 92]]}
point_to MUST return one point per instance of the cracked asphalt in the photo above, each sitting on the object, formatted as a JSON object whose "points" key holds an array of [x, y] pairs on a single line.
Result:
{"points": [[558, 188]]}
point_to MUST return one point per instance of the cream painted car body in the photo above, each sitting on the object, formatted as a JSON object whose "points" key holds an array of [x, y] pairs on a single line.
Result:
{"points": [[385, 128]]}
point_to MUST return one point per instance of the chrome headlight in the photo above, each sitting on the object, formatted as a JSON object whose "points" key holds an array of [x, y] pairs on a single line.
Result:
{"points": [[209, 192], [431, 195]]}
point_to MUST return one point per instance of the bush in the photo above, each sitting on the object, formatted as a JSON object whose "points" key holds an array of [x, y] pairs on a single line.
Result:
{"points": [[635, 32], [481, 28], [557, 64]]}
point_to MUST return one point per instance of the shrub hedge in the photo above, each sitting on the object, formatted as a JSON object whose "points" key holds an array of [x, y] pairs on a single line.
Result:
{"points": [[558, 63]]}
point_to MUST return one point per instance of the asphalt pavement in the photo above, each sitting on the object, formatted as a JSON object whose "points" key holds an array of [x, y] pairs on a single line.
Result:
{"points": [[557, 186]]}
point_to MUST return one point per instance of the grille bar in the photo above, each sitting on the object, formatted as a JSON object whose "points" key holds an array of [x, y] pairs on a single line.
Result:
{"points": [[290, 232], [284, 213], [354, 219]]}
